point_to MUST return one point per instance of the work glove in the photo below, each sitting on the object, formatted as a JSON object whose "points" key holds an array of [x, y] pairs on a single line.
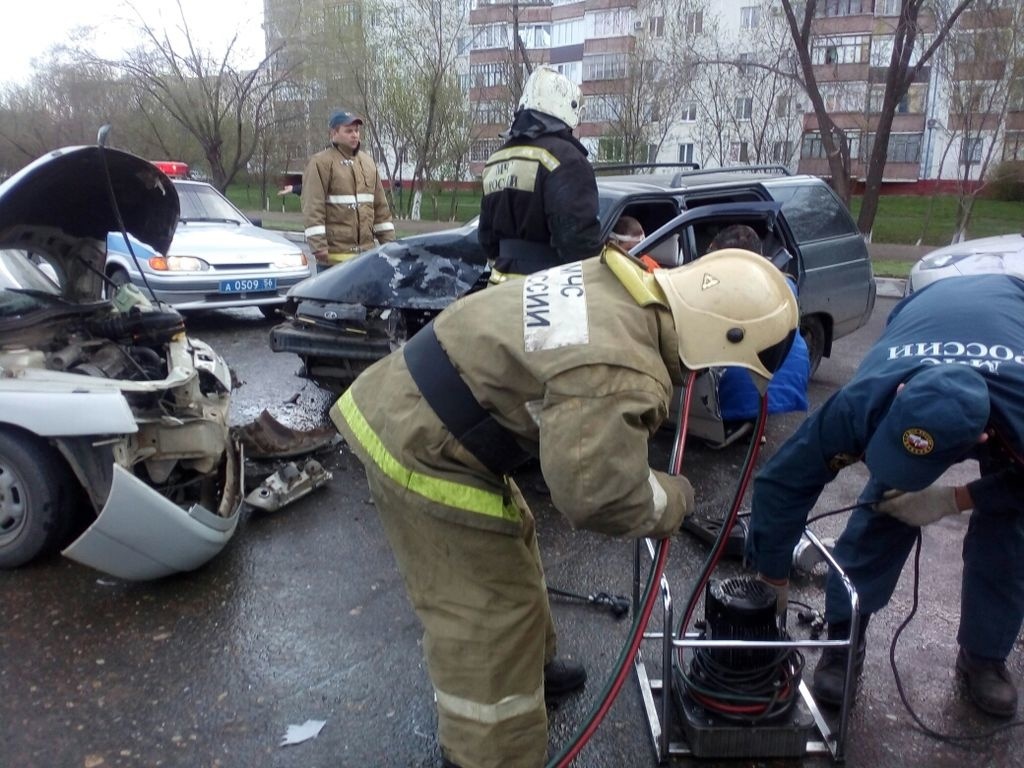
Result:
{"points": [[919, 508], [781, 589]]}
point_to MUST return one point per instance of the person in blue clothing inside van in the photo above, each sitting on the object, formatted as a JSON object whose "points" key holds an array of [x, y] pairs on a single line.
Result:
{"points": [[944, 383], [738, 398]]}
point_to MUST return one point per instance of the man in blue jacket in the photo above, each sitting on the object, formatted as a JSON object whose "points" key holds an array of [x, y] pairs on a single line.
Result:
{"points": [[945, 382]]}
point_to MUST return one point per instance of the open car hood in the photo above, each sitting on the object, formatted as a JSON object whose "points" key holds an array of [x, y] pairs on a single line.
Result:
{"points": [[67, 190]]}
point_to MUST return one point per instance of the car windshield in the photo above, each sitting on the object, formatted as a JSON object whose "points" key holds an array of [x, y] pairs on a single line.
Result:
{"points": [[24, 287], [200, 202]]}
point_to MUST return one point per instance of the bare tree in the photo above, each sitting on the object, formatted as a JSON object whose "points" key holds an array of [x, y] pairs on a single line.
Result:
{"points": [[910, 54], [748, 90], [409, 82], [643, 104], [222, 106]]}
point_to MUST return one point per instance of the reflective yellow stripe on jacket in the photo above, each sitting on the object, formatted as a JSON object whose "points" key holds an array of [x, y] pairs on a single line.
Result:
{"points": [[457, 495]]}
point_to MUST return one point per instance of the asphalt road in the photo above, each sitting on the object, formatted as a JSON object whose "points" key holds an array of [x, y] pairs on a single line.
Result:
{"points": [[303, 617]]}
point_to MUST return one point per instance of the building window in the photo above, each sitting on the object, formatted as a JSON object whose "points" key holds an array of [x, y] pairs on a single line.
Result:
{"points": [[743, 61], [686, 153], [812, 147], [656, 26], [491, 36], [567, 32], [782, 152], [609, 23], [750, 17], [743, 107], [843, 49], [694, 23], [887, 7], [603, 108], [1013, 145], [842, 7], [535, 35], [903, 147], [911, 103], [493, 112], [738, 152], [970, 151], [487, 75], [690, 112], [782, 105], [605, 66], [609, 149], [481, 149], [573, 70]]}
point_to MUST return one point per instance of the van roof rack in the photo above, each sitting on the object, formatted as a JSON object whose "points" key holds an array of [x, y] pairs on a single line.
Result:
{"points": [[602, 167], [679, 177]]}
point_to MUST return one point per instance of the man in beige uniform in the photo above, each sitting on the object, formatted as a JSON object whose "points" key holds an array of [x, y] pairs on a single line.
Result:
{"points": [[575, 364], [343, 202]]}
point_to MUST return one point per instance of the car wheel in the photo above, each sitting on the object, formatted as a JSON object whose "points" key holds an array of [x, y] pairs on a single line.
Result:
{"points": [[269, 311], [119, 277], [813, 332], [35, 516]]}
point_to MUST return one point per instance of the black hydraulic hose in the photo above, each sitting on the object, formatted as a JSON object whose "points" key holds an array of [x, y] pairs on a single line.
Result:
{"points": [[611, 689], [723, 535]]}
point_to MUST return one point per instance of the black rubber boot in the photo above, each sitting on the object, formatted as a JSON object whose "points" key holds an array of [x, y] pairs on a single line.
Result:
{"points": [[830, 673], [562, 676], [988, 683]]}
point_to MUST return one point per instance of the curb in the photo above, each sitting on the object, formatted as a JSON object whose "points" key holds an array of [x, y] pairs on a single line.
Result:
{"points": [[891, 287]]}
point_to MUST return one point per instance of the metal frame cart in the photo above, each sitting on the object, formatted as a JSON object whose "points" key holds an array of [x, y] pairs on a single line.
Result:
{"points": [[657, 693]]}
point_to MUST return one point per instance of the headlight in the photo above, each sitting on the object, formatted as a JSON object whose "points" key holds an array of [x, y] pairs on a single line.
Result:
{"points": [[177, 264], [290, 260], [942, 260]]}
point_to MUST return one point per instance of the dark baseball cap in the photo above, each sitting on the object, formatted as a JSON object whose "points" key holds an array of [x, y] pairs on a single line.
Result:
{"points": [[933, 423], [340, 117]]}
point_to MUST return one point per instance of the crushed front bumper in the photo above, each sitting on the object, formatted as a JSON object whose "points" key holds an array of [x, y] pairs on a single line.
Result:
{"points": [[141, 535]]}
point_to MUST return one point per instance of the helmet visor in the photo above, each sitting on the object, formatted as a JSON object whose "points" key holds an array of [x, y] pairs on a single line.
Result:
{"points": [[772, 357]]}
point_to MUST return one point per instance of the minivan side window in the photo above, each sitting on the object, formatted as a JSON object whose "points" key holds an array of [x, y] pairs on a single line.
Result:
{"points": [[814, 212]]}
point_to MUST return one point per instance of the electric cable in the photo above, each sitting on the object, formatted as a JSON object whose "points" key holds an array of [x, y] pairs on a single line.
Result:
{"points": [[904, 699], [928, 731]]}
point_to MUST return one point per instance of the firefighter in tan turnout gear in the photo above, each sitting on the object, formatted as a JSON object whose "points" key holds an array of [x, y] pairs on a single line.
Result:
{"points": [[575, 365], [343, 203]]}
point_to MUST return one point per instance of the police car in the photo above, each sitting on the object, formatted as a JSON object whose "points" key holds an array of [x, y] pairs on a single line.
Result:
{"points": [[218, 258]]}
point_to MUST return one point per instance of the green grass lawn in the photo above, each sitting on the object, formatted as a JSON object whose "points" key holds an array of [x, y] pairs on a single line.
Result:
{"points": [[891, 268], [904, 219], [456, 207]]}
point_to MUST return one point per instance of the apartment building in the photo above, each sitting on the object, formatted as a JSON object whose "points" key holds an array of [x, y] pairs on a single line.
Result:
{"points": [[709, 82], [729, 99]]}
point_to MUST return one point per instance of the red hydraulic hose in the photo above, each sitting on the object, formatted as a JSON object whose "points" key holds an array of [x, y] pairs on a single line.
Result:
{"points": [[650, 597]]}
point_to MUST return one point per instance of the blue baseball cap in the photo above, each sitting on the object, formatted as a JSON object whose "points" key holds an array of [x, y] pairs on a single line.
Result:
{"points": [[340, 117], [934, 422]]}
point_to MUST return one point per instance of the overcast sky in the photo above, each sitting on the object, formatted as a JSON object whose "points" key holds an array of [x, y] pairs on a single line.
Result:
{"points": [[32, 26]]}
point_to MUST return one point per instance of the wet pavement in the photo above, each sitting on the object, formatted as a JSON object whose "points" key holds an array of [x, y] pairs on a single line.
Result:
{"points": [[303, 617]]}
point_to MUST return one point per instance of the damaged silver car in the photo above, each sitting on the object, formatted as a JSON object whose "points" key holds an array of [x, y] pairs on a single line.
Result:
{"points": [[112, 419]]}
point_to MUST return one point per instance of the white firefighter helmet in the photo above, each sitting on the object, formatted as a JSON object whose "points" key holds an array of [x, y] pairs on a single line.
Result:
{"points": [[731, 307], [553, 94]]}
